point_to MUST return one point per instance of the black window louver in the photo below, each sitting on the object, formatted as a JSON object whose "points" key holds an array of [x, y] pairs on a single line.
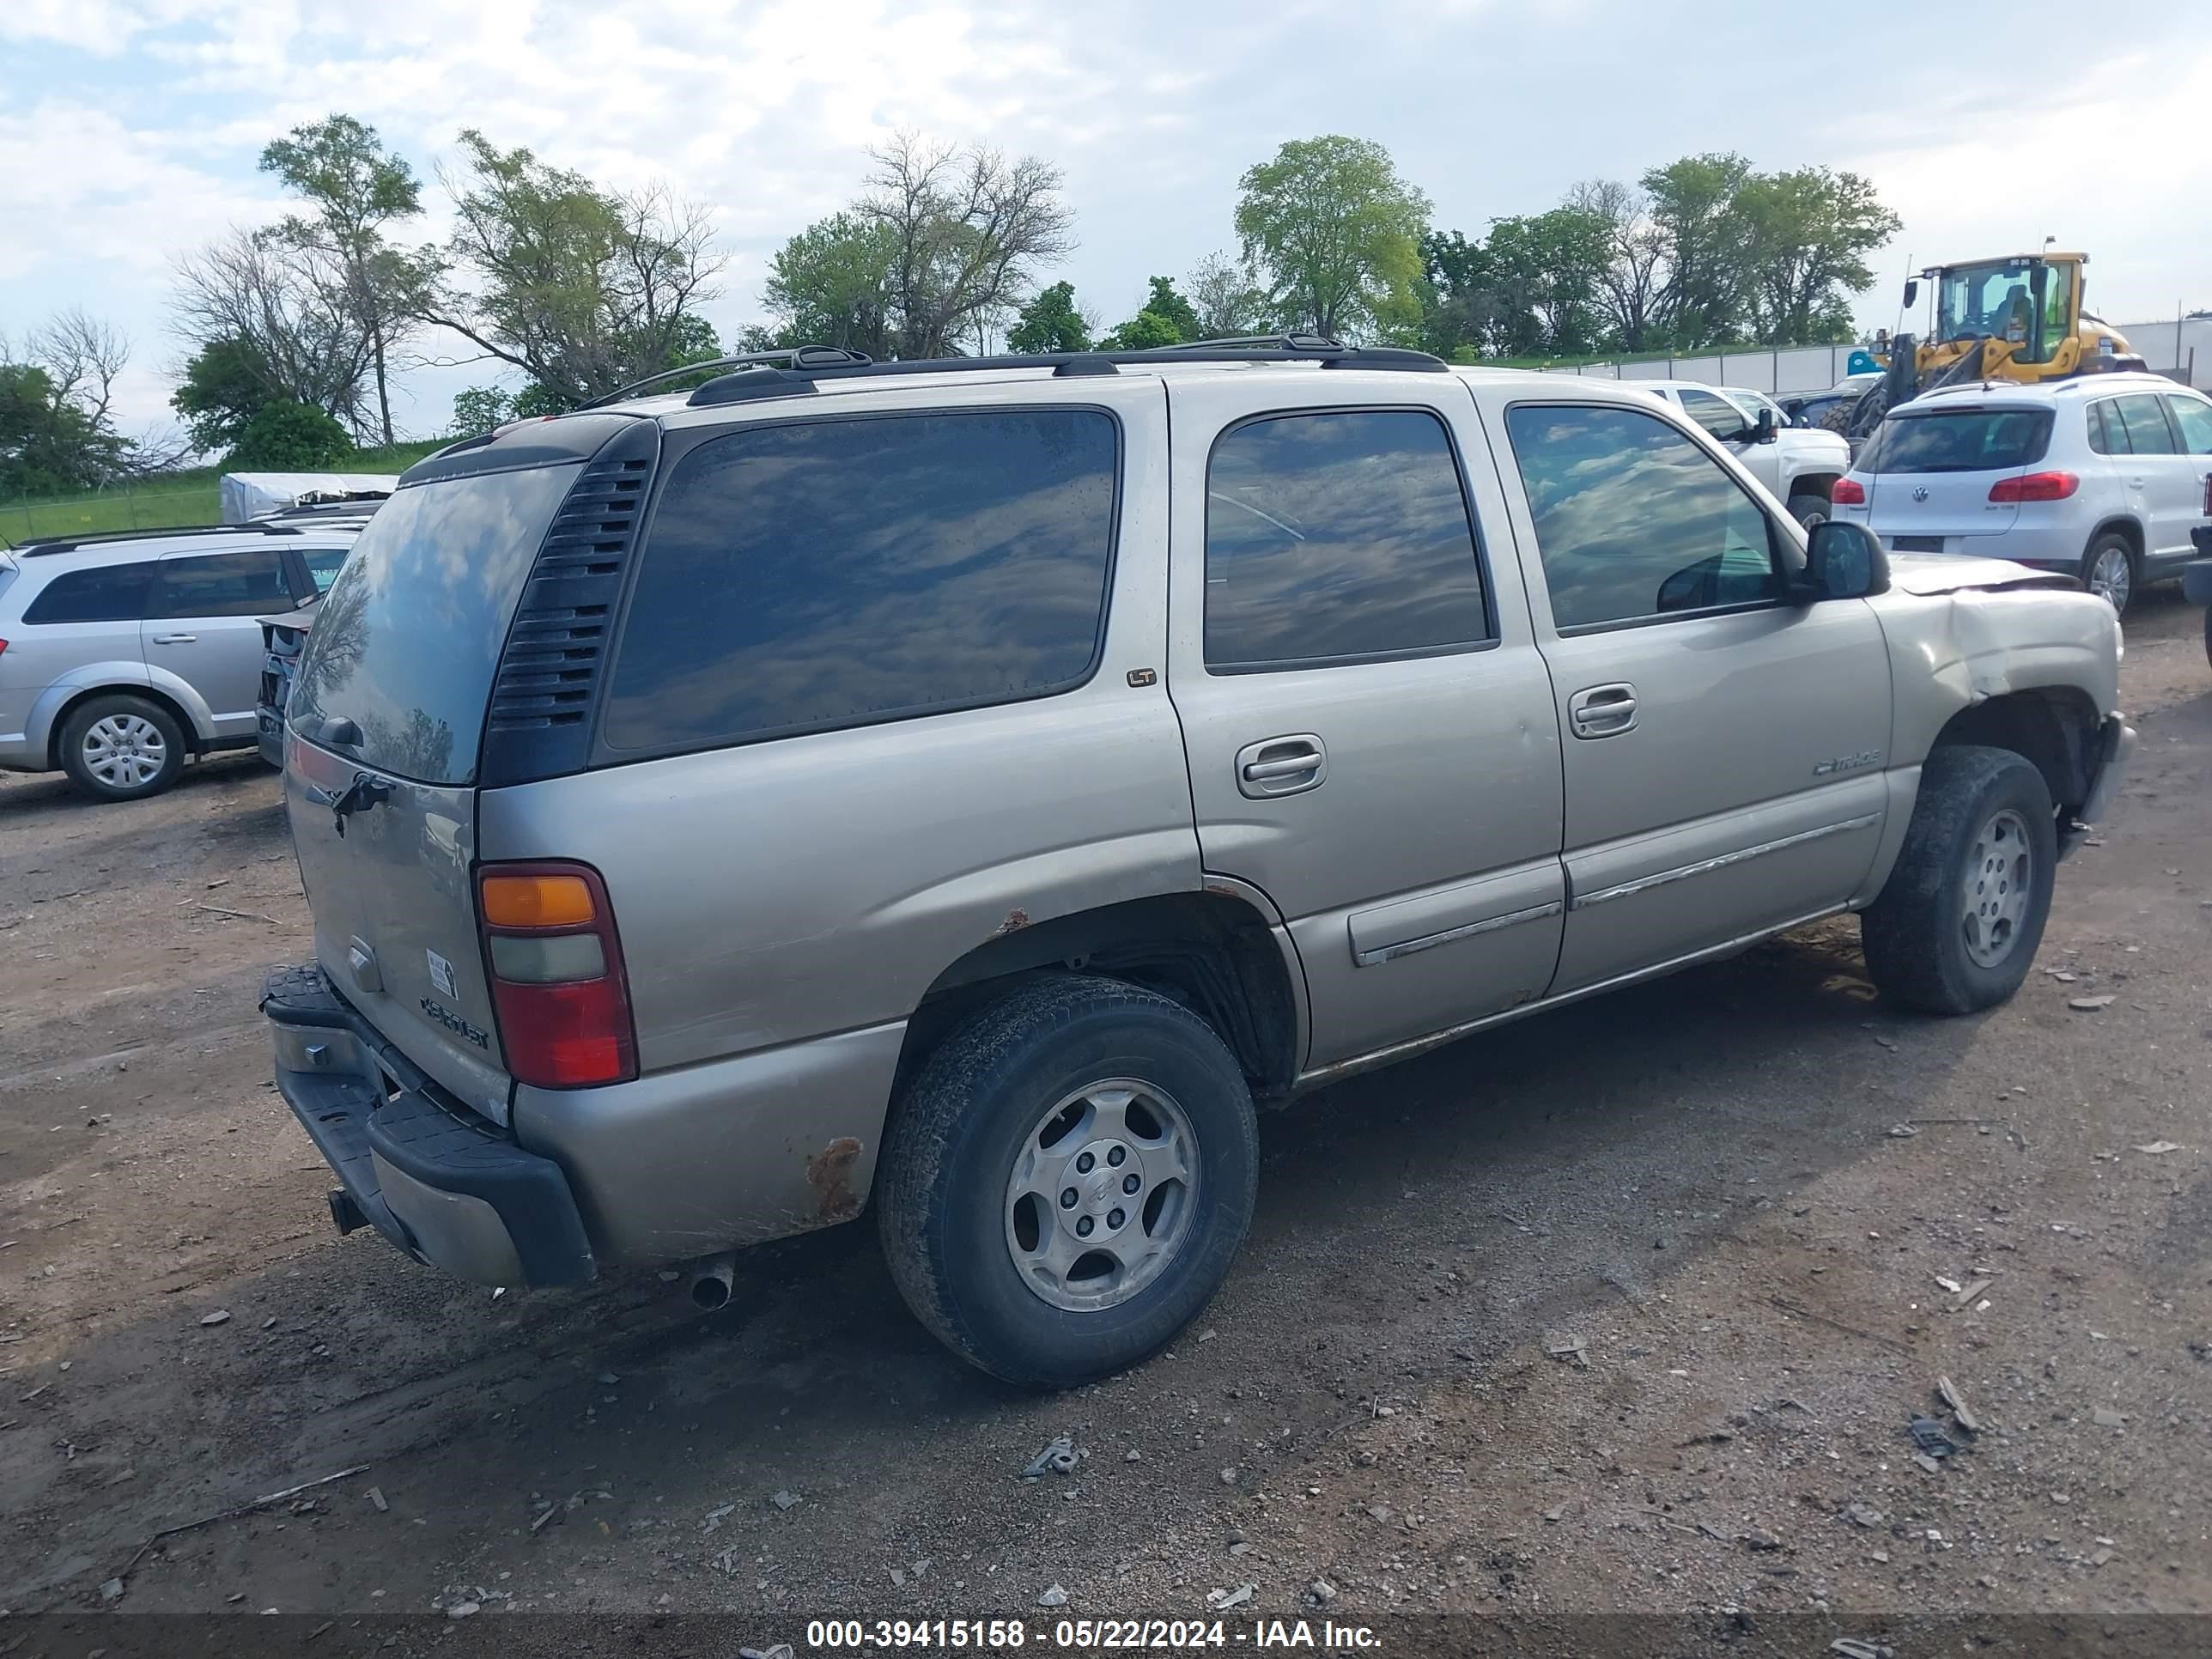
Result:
{"points": [[538, 724]]}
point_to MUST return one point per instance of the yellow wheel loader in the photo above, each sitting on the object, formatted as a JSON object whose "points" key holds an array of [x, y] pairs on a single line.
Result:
{"points": [[2016, 318]]}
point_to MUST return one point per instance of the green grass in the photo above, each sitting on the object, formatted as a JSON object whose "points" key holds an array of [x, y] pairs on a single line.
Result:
{"points": [[175, 498]]}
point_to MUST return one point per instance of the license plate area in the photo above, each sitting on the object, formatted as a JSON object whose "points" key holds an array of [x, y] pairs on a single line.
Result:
{"points": [[1916, 544]]}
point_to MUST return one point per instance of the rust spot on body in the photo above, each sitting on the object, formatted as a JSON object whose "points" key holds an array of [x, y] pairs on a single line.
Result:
{"points": [[1016, 919], [830, 1172]]}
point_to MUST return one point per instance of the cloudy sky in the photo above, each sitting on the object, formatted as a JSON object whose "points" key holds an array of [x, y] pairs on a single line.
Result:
{"points": [[129, 128]]}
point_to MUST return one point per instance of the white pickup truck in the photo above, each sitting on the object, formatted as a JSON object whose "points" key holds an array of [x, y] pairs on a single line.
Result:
{"points": [[1799, 466]]}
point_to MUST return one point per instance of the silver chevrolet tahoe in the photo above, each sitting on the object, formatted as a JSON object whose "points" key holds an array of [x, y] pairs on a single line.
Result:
{"points": [[968, 789]]}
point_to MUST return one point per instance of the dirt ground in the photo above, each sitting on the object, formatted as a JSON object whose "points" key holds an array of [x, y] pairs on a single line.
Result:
{"points": [[1624, 1308]]}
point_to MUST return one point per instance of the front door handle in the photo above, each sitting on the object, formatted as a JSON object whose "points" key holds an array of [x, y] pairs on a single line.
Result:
{"points": [[1281, 765], [1603, 711], [175, 639]]}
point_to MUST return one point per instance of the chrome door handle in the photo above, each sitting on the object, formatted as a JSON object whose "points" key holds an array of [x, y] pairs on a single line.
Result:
{"points": [[1603, 711], [175, 639], [1281, 765]]}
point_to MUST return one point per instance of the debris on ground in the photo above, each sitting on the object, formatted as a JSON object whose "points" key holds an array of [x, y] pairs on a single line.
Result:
{"points": [[1574, 1350], [785, 1500], [465, 1610], [2159, 1148], [112, 1590], [1060, 1456], [1927, 1434], [1949, 1392], [1973, 1289], [2091, 1004], [376, 1496], [2105, 1418], [220, 1316], [1052, 1596], [1852, 1648], [1763, 1541], [1901, 1132], [1321, 1592], [713, 1518], [1222, 1599], [781, 1650], [1864, 1515]]}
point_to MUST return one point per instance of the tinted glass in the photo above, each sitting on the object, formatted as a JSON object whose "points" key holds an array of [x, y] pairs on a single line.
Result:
{"points": [[407, 640], [2144, 417], [1958, 440], [323, 564], [1337, 536], [2195, 420], [1633, 520], [828, 574], [1716, 414], [247, 584], [115, 593], [2105, 437]]}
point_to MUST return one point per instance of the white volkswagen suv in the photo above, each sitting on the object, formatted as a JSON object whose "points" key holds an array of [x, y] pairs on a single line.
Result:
{"points": [[2104, 477]]}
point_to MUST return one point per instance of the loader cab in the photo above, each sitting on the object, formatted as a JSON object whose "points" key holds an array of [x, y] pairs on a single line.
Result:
{"points": [[2030, 303]]}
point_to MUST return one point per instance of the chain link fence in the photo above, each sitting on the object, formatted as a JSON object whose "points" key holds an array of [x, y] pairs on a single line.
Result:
{"points": [[161, 502]]}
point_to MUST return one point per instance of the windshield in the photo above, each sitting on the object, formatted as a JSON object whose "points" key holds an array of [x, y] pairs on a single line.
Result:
{"points": [[1958, 440], [2018, 300], [407, 640]]}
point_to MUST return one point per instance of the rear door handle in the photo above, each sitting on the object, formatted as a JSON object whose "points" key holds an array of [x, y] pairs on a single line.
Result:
{"points": [[1603, 711], [175, 639], [1281, 765]]}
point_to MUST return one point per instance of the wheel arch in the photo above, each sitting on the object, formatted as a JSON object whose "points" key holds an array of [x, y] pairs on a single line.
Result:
{"points": [[1215, 951], [76, 697], [2124, 524], [2053, 728]]}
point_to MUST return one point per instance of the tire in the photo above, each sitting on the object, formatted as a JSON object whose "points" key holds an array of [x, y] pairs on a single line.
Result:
{"points": [[967, 1244], [118, 747], [1956, 927], [2107, 575], [1810, 510]]}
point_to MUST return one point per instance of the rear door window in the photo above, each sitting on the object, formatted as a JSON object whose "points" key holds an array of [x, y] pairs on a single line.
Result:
{"points": [[2143, 415], [812, 574], [1334, 537], [115, 592], [246, 584], [2194, 422], [1958, 440], [409, 637]]}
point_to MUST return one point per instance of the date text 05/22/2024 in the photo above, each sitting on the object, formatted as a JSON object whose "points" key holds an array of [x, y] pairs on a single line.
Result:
{"points": [[1088, 1635]]}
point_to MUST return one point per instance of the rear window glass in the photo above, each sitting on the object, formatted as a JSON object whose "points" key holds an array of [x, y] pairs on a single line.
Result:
{"points": [[115, 592], [1958, 440], [824, 574], [407, 641]]}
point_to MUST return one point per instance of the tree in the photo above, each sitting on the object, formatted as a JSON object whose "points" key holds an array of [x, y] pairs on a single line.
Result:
{"points": [[1146, 332], [478, 409], [1460, 306], [831, 285], [966, 229], [288, 437], [354, 188], [1050, 322], [1336, 231], [288, 323], [225, 383], [83, 356], [48, 443], [1172, 308], [1543, 271], [1225, 299], [1705, 244], [1807, 234], [1635, 250], [583, 289]]}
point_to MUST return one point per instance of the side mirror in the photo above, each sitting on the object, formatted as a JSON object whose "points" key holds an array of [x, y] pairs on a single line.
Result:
{"points": [[1842, 562], [1911, 291], [1763, 432]]}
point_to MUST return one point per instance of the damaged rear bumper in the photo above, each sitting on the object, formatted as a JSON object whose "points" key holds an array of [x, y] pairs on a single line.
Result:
{"points": [[437, 1181]]}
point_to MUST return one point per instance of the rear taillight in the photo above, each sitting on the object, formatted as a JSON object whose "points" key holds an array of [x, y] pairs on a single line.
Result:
{"points": [[2208, 491], [1848, 492], [556, 975], [2035, 487]]}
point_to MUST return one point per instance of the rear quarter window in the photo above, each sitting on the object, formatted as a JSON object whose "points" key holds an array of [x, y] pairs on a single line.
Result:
{"points": [[1960, 440], [813, 575], [114, 592]]}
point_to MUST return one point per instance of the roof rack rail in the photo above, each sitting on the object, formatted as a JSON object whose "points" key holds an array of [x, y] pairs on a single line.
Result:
{"points": [[808, 356], [43, 544], [798, 377]]}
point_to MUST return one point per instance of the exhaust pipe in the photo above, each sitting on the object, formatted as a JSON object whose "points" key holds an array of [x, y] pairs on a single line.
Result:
{"points": [[712, 1277]]}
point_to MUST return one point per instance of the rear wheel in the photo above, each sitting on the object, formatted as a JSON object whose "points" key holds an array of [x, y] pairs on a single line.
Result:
{"points": [[1810, 510], [1067, 1181], [122, 748], [2108, 570], [1956, 924]]}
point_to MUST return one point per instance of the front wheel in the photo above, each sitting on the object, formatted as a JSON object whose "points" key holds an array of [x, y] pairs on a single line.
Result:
{"points": [[1067, 1181], [1810, 510], [1958, 922]]}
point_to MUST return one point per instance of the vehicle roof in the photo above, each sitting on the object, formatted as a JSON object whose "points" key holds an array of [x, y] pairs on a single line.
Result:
{"points": [[59, 553], [2016, 394]]}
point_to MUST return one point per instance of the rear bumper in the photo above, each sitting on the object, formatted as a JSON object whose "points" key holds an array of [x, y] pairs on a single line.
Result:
{"points": [[270, 735], [2197, 574], [442, 1185]]}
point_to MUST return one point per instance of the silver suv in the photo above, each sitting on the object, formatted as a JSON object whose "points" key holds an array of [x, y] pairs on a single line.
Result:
{"points": [[968, 789], [123, 654]]}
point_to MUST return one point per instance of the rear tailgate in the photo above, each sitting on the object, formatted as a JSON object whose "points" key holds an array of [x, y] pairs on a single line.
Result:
{"points": [[1930, 472], [380, 761]]}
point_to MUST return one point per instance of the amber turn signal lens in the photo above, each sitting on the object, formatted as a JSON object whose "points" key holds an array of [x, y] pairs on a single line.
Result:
{"points": [[537, 902]]}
